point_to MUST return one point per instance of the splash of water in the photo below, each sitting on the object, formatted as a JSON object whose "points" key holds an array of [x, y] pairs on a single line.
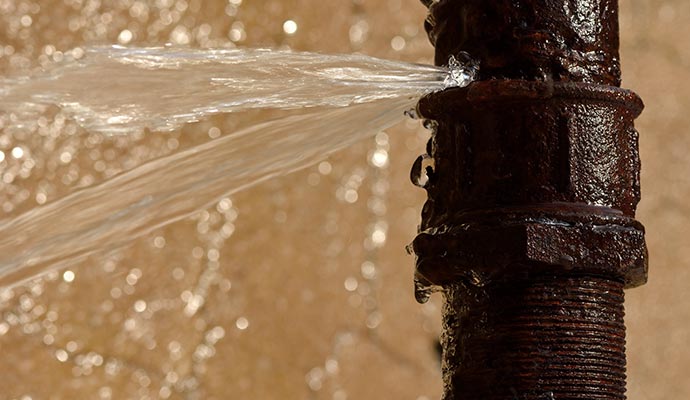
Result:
{"points": [[352, 97]]}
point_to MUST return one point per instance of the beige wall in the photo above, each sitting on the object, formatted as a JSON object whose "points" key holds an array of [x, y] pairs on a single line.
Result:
{"points": [[326, 315]]}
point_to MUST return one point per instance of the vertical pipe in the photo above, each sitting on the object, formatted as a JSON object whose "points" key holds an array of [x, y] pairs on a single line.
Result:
{"points": [[529, 227]]}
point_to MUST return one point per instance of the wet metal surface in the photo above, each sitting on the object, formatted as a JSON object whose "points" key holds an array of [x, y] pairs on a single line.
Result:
{"points": [[564, 40], [529, 226]]}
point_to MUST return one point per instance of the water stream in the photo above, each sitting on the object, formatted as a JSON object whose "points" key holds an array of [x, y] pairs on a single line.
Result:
{"points": [[117, 91]]}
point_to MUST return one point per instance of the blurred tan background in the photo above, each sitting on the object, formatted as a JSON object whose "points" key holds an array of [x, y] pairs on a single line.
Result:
{"points": [[299, 288]]}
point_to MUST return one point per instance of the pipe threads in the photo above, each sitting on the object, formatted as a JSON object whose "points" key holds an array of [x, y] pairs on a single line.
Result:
{"points": [[550, 337]]}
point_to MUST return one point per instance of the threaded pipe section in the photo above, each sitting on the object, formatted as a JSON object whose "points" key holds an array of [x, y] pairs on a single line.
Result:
{"points": [[548, 337]]}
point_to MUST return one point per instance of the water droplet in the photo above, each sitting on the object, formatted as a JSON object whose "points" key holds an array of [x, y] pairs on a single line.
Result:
{"points": [[411, 113], [422, 170], [17, 152], [68, 276], [421, 292], [290, 27], [325, 168], [351, 284], [242, 323], [423, 289], [125, 36], [140, 306], [378, 234], [463, 70], [61, 355], [374, 320], [314, 378], [398, 43], [379, 158], [430, 124], [26, 21], [368, 270]]}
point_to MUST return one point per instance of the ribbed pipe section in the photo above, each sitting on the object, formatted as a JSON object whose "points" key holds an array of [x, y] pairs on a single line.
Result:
{"points": [[549, 337]]}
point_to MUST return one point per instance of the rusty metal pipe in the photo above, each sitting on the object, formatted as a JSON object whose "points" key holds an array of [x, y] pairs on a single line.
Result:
{"points": [[529, 227]]}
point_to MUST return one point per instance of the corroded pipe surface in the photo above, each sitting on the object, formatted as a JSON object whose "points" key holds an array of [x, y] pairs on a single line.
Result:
{"points": [[562, 40], [529, 227], [549, 337]]}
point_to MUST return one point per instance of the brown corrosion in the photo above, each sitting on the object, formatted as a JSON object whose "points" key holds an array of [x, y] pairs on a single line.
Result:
{"points": [[562, 40], [553, 337], [529, 226]]}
